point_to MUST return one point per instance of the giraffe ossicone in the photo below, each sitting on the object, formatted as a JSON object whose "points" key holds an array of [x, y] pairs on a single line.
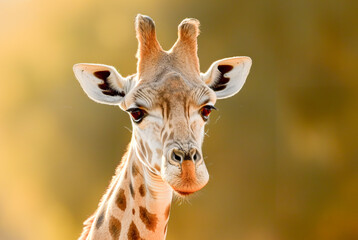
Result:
{"points": [[169, 101]]}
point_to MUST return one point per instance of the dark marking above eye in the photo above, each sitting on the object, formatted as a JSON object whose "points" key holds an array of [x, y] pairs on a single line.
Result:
{"points": [[105, 86], [221, 81]]}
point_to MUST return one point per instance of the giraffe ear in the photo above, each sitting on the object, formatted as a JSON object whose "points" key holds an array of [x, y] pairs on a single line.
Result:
{"points": [[101, 83], [227, 76]]}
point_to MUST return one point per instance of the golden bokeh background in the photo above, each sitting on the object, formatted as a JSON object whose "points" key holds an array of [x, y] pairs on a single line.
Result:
{"points": [[282, 154]]}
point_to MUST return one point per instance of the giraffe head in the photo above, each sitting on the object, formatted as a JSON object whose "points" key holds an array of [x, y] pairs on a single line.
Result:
{"points": [[169, 101]]}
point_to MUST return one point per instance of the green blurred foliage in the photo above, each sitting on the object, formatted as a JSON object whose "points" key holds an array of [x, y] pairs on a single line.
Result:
{"points": [[282, 154]]}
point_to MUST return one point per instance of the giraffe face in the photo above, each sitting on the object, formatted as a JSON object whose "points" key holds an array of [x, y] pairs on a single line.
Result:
{"points": [[169, 100], [169, 115]]}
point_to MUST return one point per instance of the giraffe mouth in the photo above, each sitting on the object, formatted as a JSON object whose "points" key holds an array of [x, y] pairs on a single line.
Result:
{"points": [[182, 193]]}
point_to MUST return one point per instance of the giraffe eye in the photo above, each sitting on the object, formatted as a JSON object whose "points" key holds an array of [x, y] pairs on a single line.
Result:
{"points": [[137, 114], [205, 111]]}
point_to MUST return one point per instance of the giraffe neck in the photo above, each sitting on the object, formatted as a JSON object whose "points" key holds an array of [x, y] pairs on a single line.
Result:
{"points": [[136, 205]]}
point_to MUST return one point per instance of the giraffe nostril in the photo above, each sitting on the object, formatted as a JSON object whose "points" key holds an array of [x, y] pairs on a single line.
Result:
{"points": [[196, 156], [177, 155]]}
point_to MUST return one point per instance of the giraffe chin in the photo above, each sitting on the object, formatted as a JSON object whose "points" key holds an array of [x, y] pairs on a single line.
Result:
{"points": [[185, 193]]}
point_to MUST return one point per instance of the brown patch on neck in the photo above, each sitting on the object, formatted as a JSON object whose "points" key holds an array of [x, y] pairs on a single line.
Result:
{"points": [[133, 233], [142, 190], [100, 219], [150, 220], [134, 170], [114, 227], [121, 200], [131, 189]]}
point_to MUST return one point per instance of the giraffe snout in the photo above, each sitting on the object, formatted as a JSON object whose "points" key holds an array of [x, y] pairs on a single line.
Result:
{"points": [[185, 170]]}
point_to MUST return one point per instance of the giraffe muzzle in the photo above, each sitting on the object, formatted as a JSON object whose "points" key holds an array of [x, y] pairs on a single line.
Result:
{"points": [[185, 170]]}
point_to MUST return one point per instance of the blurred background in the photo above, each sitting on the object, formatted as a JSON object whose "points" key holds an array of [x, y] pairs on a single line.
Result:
{"points": [[287, 167]]}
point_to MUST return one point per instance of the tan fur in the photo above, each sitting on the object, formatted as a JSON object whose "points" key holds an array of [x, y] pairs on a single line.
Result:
{"points": [[186, 46], [152, 59], [168, 87], [149, 49]]}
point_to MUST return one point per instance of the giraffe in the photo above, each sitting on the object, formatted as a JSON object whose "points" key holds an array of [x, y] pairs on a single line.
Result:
{"points": [[169, 102]]}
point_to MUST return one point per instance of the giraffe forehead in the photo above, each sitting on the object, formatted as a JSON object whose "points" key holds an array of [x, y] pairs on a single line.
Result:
{"points": [[173, 91]]}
